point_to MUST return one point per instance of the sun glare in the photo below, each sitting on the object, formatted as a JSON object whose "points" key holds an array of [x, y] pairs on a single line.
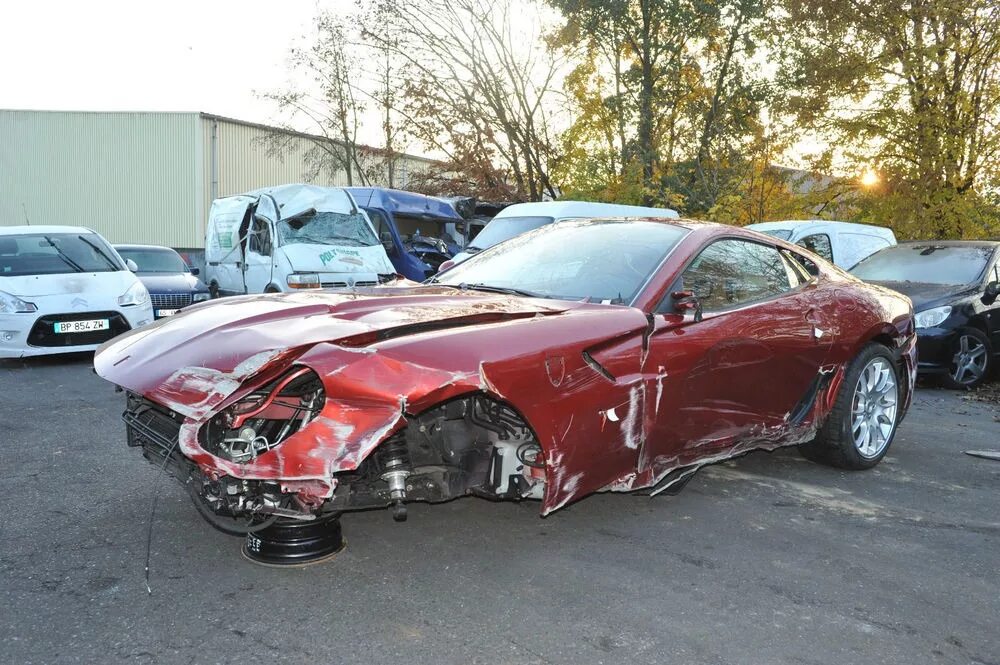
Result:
{"points": [[869, 178]]}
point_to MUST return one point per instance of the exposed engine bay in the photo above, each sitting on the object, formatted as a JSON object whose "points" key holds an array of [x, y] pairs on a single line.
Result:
{"points": [[473, 445]]}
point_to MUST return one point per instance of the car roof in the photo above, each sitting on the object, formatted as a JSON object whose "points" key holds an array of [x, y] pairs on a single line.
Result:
{"points": [[25, 229], [799, 223], [397, 200], [581, 209], [144, 247]]}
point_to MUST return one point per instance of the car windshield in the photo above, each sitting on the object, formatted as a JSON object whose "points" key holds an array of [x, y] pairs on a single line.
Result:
{"points": [[606, 261], [55, 253], [498, 230], [781, 234], [926, 263], [155, 260], [327, 228]]}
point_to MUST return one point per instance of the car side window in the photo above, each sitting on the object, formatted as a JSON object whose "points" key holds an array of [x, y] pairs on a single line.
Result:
{"points": [[732, 272], [806, 264], [818, 243], [260, 237]]}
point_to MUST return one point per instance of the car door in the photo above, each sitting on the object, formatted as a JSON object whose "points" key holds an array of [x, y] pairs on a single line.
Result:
{"points": [[224, 243], [743, 368], [259, 244]]}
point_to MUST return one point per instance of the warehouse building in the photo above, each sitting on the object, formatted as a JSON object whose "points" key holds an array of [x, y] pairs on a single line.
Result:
{"points": [[151, 177]]}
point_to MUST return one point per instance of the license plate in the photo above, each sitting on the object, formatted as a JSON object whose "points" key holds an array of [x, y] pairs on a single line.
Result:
{"points": [[82, 326], [166, 312]]}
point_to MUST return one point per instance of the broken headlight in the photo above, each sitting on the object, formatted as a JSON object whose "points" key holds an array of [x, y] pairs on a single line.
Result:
{"points": [[264, 418]]}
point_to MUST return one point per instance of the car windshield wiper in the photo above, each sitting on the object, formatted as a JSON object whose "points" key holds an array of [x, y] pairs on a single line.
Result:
{"points": [[479, 286], [62, 255], [472, 249], [101, 252]]}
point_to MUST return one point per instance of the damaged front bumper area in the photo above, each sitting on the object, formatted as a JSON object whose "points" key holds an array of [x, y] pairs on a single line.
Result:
{"points": [[263, 453]]}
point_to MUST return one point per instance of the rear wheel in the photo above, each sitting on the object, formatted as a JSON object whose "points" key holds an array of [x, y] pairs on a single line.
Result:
{"points": [[213, 291], [862, 424], [971, 360]]}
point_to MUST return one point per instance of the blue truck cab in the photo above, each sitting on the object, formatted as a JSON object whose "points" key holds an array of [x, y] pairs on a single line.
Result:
{"points": [[419, 232]]}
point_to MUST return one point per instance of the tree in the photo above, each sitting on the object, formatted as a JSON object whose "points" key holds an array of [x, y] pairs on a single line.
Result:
{"points": [[328, 106], [913, 90], [670, 99], [478, 90]]}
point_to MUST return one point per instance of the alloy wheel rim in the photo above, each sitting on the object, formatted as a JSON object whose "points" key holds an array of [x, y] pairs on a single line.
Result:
{"points": [[873, 409], [969, 361]]}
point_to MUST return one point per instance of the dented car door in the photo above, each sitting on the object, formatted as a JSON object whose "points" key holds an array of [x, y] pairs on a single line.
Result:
{"points": [[746, 369]]}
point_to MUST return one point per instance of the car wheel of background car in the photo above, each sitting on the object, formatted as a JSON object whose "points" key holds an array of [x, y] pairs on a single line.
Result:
{"points": [[862, 423], [272, 289], [213, 290], [972, 360]]}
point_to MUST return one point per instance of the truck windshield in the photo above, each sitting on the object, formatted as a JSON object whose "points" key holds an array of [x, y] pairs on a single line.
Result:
{"points": [[54, 253], [327, 228]]}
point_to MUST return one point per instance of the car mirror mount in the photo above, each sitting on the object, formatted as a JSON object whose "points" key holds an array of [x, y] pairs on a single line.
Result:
{"points": [[195, 271], [686, 303]]}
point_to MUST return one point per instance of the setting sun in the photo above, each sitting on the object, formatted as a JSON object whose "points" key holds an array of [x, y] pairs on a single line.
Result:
{"points": [[869, 178]]}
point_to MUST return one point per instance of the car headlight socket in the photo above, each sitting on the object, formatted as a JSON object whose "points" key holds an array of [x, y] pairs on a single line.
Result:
{"points": [[135, 295], [303, 280], [11, 304], [932, 317]]}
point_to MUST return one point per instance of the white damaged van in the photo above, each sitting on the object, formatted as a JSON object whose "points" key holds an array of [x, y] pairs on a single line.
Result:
{"points": [[291, 237]]}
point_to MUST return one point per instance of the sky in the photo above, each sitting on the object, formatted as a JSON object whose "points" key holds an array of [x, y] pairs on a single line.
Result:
{"points": [[181, 55]]}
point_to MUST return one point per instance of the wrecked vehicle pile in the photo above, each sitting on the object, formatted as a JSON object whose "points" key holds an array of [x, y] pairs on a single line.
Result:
{"points": [[624, 361]]}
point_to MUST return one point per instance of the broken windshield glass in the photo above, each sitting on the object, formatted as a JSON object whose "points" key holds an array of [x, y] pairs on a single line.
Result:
{"points": [[327, 228]]}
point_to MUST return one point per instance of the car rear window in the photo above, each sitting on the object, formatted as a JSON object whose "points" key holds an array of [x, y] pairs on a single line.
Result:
{"points": [[925, 263], [505, 228], [55, 253], [155, 260]]}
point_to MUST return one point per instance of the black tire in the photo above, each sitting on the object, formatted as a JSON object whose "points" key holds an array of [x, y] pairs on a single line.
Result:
{"points": [[213, 291], [271, 288], [973, 336], [834, 444]]}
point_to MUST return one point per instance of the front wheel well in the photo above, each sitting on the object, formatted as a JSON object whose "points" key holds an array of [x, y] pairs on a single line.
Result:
{"points": [[471, 444]]}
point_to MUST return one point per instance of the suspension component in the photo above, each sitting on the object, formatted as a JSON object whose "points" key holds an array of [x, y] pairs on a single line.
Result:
{"points": [[396, 465]]}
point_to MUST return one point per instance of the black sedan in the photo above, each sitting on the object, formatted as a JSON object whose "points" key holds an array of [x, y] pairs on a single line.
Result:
{"points": [[954, 286], [171, 283]]}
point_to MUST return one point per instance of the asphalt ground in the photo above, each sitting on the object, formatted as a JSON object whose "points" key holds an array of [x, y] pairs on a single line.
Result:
{"points": [[767, 559]]}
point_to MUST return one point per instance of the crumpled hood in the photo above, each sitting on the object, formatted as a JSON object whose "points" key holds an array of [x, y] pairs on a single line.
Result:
{"points": [[926, 295], [235, 337]]}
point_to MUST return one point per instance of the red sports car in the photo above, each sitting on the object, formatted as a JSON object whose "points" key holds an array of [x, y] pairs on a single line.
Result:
{"points": [[586, 356]]}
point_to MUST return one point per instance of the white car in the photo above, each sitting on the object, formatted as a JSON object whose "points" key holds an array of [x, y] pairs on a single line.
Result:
{"points": [[64, 289], [523, 217], [843, 244]]}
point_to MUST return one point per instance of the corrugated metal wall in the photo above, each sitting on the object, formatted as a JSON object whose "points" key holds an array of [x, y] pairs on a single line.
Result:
{"points": [[131, 176], [251, 156], [143, 177]]}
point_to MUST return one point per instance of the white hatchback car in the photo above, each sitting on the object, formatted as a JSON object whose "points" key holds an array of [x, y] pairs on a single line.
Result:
{"points": [[64, 289]]}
